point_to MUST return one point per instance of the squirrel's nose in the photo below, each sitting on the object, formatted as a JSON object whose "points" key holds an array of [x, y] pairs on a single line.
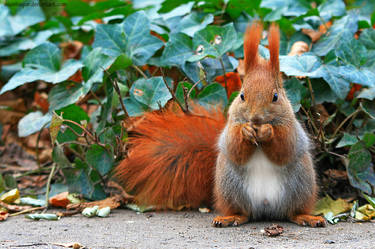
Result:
{"points": [[257, 119]]}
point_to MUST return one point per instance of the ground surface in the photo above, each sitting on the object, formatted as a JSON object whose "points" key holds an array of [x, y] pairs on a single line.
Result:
{"points": [[127, 229]]}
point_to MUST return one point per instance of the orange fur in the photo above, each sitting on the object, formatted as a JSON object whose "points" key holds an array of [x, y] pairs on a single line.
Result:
{"points": [[273, 46], [172, 158], [252, 39]]}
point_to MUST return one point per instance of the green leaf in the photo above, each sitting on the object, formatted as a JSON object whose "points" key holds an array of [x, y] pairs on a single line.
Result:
{"points": [[58, 156], [236, 7], [33, 122], [192, 23], [331, 8], [285, 8], [177, 50], [369, 139], [332, 75], [369, 108], [151, 92], [360, 169], [304, 65], [212, 95], [43, 63], [345, 27], [347, 140], [367, 93], [73, 113], [294, 90], [132, 37], [214, 41], [351, 51], [134, 108], [28, 14], [180, 92], [99, 158], [25, 43]]}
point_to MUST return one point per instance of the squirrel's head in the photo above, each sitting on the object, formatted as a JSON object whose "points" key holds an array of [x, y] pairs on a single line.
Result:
{"points": [[262, 98]]}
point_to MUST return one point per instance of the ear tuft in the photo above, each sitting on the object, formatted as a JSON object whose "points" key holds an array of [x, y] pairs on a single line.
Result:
{"points": [[252, 39], [273, 46]]}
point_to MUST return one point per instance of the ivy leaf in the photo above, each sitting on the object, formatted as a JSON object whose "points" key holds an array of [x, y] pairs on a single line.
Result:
{"points": [[331, 8], [211, 95], [335, 80], [177, 50], [68, 93], [28, 14], [367, 93], [344, 27], [360, 169], [151, 92], [351, 51], [25, 43], [32, 122], [192, 23], [73, 113], [214, 41], [347, 140], [236, 7], [43, 63], [284, 8], [294, 90], [304, 65], [132, 37], [99, 158], [134, 108]]}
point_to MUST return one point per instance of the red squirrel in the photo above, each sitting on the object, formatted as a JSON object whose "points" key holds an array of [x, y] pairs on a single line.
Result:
{"points": [[253, 165]]}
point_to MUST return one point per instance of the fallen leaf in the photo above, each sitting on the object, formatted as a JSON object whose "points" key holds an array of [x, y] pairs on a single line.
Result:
{"points": [[32, 202], [41, 101], [204, 210], [71, 49], [104, 212], [74, 245], [327, 204], [140, 209], [76, 77], [112, 202], [60, 200], [298, 48], [313, 34], [3, 215], [365, 213], [42, 216], [336, 174], [14, 208], [10, 196], [90, 211], [324, 27], [273, 231]]}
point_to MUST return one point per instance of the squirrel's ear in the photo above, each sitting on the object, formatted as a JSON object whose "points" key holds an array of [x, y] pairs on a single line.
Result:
{"points": [[273, 46], [251, 42]]}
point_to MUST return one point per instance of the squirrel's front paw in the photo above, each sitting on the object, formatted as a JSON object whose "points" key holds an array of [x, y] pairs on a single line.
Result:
{"points": [[249, 133], [264, 132]]}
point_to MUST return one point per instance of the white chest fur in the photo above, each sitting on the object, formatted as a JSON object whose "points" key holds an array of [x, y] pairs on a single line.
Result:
{"points": [[264, 180]]}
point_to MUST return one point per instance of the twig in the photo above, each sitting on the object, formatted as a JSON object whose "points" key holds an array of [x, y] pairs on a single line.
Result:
{"points": [[49, 183], [311, 91], [225, 77], [345, 120], [140, 71], [117, 89], [96, 97], [172, 93], [186, 97], [28, 211], [191, 89]]}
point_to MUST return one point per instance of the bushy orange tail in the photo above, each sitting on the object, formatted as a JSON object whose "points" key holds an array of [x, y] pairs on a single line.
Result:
{"points": [[172, 158]]}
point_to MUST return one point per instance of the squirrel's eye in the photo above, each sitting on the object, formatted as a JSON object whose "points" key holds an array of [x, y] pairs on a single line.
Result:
{"points": [[242, 96], [275, 97]]}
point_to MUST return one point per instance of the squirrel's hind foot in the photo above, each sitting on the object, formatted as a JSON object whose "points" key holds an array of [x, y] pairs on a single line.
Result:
{"points": [[232, 220], [309, 220]]}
